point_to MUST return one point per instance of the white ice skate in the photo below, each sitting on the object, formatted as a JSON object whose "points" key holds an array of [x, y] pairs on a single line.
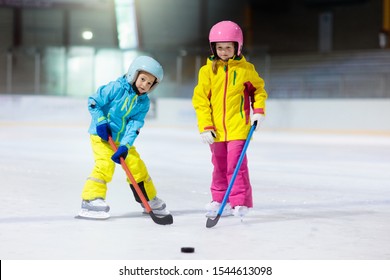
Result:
{"points": [[213, 208], [240, 211], [158, 206], [96, 209]]}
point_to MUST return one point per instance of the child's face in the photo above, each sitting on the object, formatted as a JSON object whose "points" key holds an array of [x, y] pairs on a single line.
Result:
{"points": [[144, 82], [225, 50]]}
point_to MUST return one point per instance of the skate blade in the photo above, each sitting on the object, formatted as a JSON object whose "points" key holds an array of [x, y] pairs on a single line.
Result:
{"points": [[213, 214], [92, 215], [159, 213]]}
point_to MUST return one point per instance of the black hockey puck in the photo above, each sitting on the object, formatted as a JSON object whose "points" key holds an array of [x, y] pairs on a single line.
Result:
{"points": [[187, 249]]}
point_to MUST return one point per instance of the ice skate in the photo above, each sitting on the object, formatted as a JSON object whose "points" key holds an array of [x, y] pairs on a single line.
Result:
{"points": [[95, 209], [240, 211], [158, 206], [213, 208], [97, 204]]}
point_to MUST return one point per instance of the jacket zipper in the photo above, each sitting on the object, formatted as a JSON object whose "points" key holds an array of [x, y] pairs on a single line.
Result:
{"points": [[224, 100], [124, 117]]}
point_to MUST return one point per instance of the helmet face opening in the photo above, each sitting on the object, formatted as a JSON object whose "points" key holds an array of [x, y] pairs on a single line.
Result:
{"points": [[213, 47], [226, 31], [148, 65]]}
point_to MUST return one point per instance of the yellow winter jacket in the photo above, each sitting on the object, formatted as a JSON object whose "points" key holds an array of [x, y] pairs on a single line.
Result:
{"points": [[223, 101]]}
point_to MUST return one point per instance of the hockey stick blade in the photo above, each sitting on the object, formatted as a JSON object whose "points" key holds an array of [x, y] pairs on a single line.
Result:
{"points": [[161, 220], [212, 222]]}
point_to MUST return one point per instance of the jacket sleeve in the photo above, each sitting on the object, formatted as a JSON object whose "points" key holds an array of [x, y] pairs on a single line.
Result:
{"points": [[103, 96], [201, 100], [134, 126], [259, 93]]}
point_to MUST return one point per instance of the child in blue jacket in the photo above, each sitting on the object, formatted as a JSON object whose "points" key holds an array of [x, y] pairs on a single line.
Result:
{"points": [[118, 109]]}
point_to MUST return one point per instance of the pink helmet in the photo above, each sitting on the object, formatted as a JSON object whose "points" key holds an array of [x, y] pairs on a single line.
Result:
{"points": [[226, 31]]}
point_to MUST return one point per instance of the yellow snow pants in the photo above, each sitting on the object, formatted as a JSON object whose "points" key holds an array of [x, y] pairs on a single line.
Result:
{"points": [[103, 171]]}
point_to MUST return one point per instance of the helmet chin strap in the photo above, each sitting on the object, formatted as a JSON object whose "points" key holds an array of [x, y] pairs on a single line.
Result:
{"points": [[135, 89]]}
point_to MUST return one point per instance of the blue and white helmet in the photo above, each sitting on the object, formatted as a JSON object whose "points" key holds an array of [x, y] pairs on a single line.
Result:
{"points": [[146, 64]]}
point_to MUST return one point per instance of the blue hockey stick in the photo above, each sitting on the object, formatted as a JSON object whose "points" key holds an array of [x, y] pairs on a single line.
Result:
{"points": [[212, 222]]}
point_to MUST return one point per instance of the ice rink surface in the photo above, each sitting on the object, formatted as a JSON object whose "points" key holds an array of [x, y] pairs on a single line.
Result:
{"points": [[317, 196]]}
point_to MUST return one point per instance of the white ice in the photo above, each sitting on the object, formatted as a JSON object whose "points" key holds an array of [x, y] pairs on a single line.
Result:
{"points": [[317, 196]]}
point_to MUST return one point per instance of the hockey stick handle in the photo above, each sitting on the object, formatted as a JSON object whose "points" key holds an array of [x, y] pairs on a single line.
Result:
{"points": [[131, 177]]}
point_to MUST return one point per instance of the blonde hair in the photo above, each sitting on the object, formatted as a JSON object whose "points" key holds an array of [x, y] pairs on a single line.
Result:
{"points": [[219, 62], [214, 65]]}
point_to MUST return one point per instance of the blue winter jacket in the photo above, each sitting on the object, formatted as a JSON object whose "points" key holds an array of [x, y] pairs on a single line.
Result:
{"points": [[118, 104]]}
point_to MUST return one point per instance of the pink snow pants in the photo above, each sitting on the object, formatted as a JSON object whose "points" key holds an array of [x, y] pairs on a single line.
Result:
{"points": [[225, 156]]}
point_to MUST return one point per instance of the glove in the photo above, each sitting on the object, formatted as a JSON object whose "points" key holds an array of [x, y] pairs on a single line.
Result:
{"points": [[103, 130], [120, 153], [208, 136], [259, 118]]}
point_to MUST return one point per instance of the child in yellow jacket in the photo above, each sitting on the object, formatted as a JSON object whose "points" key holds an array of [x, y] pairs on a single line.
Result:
{"points": [[228, 99]]}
